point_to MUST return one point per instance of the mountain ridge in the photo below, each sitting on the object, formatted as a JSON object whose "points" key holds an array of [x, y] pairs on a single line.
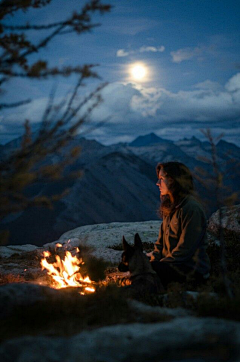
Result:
{"points": [[118, 184]]}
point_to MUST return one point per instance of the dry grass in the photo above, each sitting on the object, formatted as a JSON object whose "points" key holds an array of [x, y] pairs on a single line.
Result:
{"points": [[11, 278]]}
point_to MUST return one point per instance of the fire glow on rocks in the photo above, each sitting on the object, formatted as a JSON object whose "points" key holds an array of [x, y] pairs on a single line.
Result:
{"points": [[66, 273]]}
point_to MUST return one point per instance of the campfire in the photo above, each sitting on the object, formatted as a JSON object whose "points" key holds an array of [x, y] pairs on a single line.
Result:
{"points": [[66, 272]]}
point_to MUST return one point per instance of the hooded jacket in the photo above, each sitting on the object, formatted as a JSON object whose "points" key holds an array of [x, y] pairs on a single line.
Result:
{"points": [[182, 237]]}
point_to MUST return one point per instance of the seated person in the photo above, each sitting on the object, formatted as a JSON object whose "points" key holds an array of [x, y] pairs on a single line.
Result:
{"points": [[180, 250]]}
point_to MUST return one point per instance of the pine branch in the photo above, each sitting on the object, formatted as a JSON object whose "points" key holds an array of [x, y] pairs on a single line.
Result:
{"points": [[11, 6], [31, 163], [38, 71], [218, 185], [12, 105]]}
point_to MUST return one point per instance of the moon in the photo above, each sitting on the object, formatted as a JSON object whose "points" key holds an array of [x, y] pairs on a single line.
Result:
{"points": [[138, 71]]}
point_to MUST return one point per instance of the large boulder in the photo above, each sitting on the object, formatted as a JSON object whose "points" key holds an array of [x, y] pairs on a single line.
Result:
{"points": [[230, 221], [188, 338], [17, 295]]}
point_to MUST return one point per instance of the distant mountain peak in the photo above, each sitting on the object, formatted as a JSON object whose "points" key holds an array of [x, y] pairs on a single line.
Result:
{"points": [[223, 142], [147, 140], [189, 141], [227, 145]]}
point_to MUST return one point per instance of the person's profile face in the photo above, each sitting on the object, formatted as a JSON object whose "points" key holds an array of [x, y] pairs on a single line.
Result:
{"points": [[163, 183]]}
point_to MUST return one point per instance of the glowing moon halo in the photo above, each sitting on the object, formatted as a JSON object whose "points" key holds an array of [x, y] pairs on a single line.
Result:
{"points": [[138, 71]]}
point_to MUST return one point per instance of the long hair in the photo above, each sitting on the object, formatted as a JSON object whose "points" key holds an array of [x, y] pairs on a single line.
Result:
{"points": [[180, 185]]}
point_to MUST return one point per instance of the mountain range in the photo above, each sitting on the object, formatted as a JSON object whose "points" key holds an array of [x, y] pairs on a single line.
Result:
{"points": [[118, 184]]}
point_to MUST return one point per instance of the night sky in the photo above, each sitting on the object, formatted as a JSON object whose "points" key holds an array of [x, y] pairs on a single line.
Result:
{"points": [[188, 51]]}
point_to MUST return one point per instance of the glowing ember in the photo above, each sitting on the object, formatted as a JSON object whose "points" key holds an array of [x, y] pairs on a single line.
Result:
{"points": [[66, 273], [46, 254]]}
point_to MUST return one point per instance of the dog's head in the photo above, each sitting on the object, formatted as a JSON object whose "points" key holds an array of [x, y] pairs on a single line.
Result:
{"points": [[129, 251]]}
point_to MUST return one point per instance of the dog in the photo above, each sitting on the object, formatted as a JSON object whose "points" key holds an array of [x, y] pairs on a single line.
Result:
{"points": [[144, 279]]}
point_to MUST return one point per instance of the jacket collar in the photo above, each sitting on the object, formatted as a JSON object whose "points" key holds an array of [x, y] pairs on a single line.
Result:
{"points": [[182, 201]]}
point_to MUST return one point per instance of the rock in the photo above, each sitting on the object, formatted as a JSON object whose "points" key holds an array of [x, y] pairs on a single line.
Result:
{"points": [[15, 295], [109, 255], [7, 251], [230, 221], [105, 235], [171, 312], [184, 338], [23, 265], [101, 239]]}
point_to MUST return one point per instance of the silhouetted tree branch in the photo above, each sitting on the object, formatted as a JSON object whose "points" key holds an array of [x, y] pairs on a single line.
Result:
{"points": [[16, 47], [16, 104], [31, 162], [216, 182]]}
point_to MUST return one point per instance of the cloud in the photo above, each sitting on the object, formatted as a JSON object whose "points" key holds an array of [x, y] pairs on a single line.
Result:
{"points": [[233, 85], [122, 53], [143, 49], [32, 111], [208, 102], [117, 102], [152, 49], [221, 48], [180, 55], [209, 85], [130, 27], [133, 109], [137, 110]]}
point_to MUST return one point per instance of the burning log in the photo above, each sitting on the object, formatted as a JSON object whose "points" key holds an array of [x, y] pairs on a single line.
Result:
{"points": [[66, 272]]}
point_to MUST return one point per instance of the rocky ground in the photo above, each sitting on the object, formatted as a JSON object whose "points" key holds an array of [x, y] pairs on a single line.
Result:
{"points": [[40, 323], [23, 261]]}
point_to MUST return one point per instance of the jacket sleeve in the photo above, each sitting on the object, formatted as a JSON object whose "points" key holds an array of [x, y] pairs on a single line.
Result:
{"points": [[193, 224], [157, 252]]}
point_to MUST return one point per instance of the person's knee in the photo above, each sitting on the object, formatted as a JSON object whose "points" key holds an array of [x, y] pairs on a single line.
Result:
{"points": [[160, 268], [157, 266], [154, 264]]}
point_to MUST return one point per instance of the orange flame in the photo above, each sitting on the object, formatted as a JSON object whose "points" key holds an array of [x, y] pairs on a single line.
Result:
{"points": [[66, 273]]}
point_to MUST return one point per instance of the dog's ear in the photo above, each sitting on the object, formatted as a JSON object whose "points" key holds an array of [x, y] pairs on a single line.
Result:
{"points": [[138, 242], [126, 246]]}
